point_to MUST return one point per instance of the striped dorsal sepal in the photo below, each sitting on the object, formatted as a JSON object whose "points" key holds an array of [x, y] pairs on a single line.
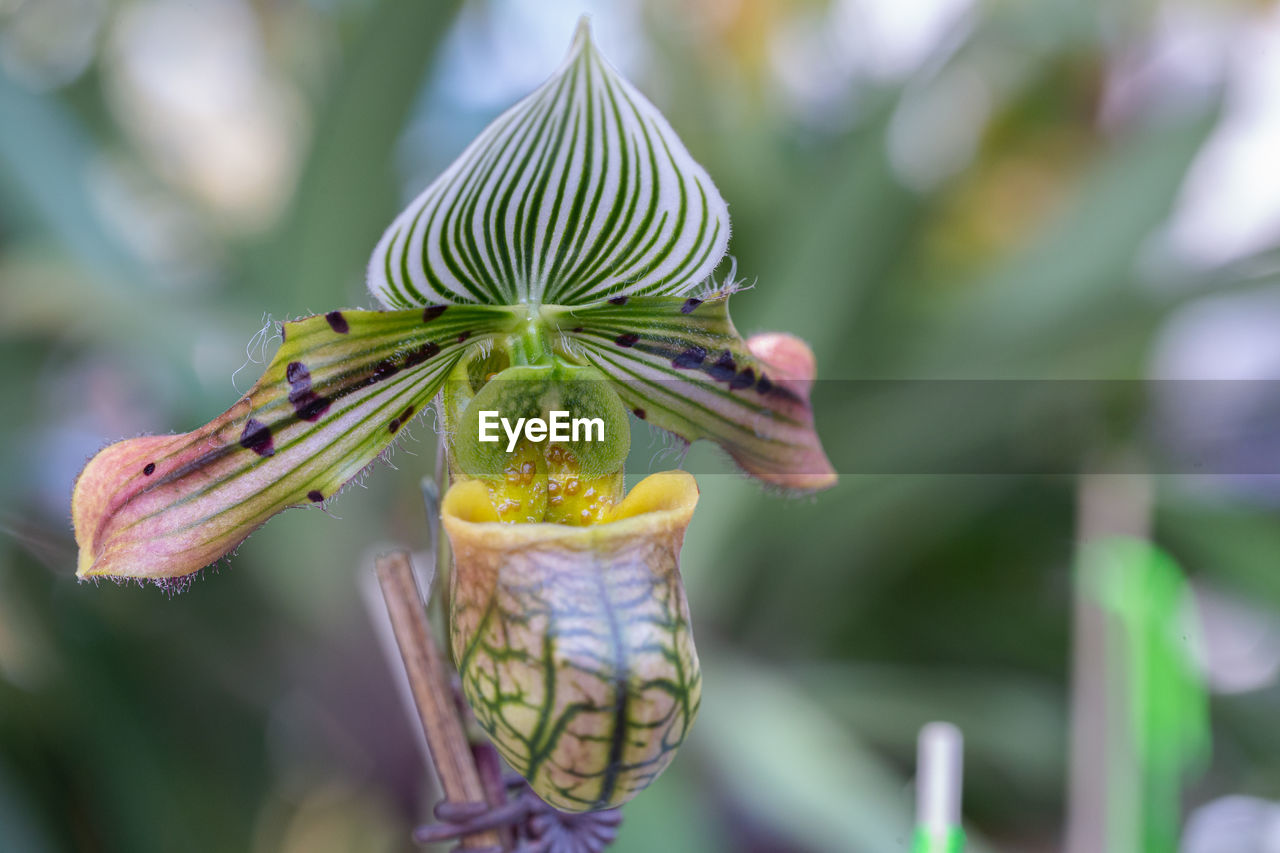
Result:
{"points": [[580, 192]]}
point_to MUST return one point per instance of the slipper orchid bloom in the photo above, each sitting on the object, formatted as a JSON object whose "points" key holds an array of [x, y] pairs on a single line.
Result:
{"points": [[559, 263]]}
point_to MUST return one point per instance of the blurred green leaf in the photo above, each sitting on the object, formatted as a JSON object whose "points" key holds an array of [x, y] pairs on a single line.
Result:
{"points": [[46, 173], [1074, 283], [791, 764], [1013, 725], [347, 192], [19, 829]]}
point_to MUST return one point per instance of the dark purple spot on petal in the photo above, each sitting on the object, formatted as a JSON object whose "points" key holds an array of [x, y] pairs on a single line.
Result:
{"points": [[745, 379], [764, 385], [337, 322], [577, 330], [617, 300], [311, 406], [384, 369], [640, 413], [284, 332], [315, 496], [692, 357], [421, 354], [406, 414], [394, 424], [689, 305], [149, 469], [297, 374], [432, 311], [724, 369], [307, 403], [462, 336], [629, 339], [257, 437]]}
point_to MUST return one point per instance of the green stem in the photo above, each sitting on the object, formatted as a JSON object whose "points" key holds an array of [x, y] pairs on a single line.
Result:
{"points": [[530, 345], [439, 596]]}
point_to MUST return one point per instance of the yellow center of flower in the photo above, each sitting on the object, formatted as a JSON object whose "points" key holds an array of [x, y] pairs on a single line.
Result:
{"points": [[542, 482]]}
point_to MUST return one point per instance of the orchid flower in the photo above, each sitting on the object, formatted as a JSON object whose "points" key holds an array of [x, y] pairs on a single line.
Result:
{"points": [[563, 261]]}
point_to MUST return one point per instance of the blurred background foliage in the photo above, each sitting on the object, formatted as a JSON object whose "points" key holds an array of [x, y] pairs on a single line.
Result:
{"points": [[942, 189]]}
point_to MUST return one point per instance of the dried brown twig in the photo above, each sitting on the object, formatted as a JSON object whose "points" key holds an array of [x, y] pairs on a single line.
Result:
{"points": [[430, 682]]}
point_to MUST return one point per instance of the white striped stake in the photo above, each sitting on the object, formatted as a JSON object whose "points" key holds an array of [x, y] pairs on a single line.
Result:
{"points": [[939, 785]]}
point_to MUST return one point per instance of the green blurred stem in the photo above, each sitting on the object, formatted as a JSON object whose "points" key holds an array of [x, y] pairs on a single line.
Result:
{"points": [[1100, 814]]}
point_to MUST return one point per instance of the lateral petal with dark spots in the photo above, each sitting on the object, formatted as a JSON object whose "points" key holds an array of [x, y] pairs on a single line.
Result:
{"points": [[165, 506]]}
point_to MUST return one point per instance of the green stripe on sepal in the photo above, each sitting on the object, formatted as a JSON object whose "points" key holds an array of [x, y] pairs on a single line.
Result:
{"points": [[579, 192], [336, 394], [682, 366]]}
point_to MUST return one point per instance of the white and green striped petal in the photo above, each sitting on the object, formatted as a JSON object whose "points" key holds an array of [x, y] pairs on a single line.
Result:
{"points": [[580, 192], [682, 366], [339, 390]]}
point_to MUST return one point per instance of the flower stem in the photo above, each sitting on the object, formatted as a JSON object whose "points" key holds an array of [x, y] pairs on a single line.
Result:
{"points": [[444, 554], [429, 681], [433, 490]]}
